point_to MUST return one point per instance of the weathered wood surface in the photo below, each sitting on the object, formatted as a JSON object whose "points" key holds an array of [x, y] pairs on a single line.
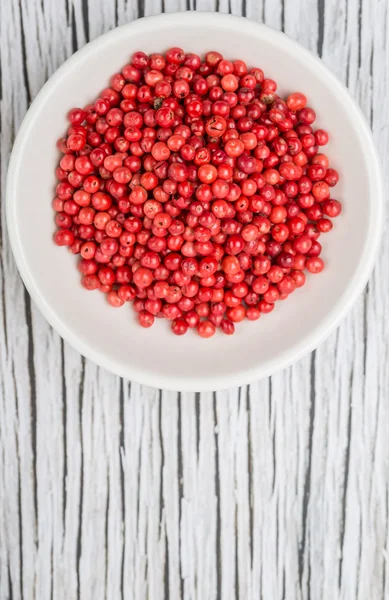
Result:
{"points": [[113, 490]]}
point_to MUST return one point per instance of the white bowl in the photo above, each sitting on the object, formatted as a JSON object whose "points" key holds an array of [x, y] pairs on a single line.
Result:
{"points": [[112, 338]]}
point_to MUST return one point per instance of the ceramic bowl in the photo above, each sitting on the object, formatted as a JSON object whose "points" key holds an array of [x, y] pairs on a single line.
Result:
{"points": [[111, 337]]}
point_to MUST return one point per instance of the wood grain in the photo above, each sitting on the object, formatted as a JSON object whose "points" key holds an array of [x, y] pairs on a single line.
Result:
{"points": [[113, 490]]}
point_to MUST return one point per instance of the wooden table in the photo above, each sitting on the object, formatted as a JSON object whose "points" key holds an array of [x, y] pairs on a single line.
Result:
{"points": [[113, 490]]}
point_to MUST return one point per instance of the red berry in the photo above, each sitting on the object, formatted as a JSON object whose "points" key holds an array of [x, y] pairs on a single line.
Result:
{"points": [[296, 101], [179, 327], [194, 190], [331, 208], [143, 277], [145, 319], [206, 329], [64, 237], [314, 265]]}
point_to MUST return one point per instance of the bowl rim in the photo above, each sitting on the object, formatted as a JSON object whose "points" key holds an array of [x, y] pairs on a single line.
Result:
{"points": [[331, 319]]}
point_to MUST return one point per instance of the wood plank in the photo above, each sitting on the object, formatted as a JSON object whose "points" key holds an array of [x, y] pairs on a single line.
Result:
{"points": [[108, 488]]}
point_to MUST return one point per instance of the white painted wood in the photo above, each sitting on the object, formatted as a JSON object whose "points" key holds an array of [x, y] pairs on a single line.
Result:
{"points": [[113, 490]]}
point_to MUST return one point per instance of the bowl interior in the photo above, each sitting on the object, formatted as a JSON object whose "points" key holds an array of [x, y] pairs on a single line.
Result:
{"points": [[112, 337]]}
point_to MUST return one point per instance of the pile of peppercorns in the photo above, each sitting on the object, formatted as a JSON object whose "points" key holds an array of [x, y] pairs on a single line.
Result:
{"points": [[192, 190]]}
